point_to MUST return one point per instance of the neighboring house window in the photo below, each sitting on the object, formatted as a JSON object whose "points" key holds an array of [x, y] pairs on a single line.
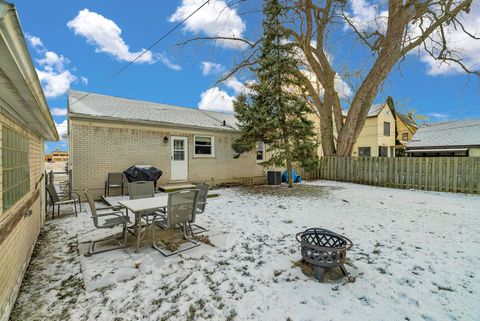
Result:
{"points": [[260, 151], [383, 151], [386, 129], [405, 136], [15, 170], [364, 151], [204, 146]]}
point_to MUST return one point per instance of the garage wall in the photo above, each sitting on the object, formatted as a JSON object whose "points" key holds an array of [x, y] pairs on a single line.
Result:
{"points": [[99, 147]]}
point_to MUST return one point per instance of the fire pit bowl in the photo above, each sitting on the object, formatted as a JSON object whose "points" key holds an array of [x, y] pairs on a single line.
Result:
{"points": [[323, 249]]}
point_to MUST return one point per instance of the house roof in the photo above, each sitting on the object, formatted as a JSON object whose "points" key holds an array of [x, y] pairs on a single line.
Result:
{"points": [[447, 134], [20, 89], [92, 105], [374, 110], [407, 120]]}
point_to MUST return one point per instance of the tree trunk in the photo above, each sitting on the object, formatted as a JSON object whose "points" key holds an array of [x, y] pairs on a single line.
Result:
{"points": [[289, 172], [387, 58]]}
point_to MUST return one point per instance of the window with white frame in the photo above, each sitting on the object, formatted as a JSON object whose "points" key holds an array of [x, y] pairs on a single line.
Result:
{"points": [[260, 151], [204, 146]]}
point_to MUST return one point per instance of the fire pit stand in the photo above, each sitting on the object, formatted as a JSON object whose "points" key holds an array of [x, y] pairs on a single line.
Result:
{"points": [[324, 249]]}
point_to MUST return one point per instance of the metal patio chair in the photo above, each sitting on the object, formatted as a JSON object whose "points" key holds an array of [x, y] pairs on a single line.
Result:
{"points": [[109, 220], [114, 180], [56, 201], [180, 210], [142, 189], [200, 207]]}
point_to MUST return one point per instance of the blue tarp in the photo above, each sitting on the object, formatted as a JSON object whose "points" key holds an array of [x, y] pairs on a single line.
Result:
{"points": [[295, 177]]}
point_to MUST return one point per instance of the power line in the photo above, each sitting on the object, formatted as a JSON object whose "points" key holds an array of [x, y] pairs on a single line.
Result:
{"points": [[148, 49]]}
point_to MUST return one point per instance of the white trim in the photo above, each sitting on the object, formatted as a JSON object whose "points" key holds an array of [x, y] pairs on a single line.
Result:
{"points": [[264, 152], [181, 171], [212, 147]]}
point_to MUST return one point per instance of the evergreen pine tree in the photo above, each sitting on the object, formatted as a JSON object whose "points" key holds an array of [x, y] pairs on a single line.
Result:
{"points": [[275, 111]]}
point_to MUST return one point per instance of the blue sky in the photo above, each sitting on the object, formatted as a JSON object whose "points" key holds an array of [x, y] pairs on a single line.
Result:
{"points": [[79, 44]]}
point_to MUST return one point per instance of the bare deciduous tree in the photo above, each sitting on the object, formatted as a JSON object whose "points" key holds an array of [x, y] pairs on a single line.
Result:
{"points": [[404, 26]]}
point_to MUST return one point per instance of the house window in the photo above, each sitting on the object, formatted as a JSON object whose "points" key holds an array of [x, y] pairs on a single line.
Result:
{"points": [[15, 168], [364, 151], [405, 136], [386, 129], [204, 146], [383, 151], [260, 151]]}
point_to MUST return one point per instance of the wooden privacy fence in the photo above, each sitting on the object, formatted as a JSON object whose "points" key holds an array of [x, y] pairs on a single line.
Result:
{"points": [[445, 174]]}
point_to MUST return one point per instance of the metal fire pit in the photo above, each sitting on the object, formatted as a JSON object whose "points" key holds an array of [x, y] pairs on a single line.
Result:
{"points": [[324, 249]]}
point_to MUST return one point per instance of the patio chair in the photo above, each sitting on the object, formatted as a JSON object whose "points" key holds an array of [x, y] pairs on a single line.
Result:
{"points": [[200, 208], [114, 180], [56, 201], [110, 219], [142, 189], [180, 210]]}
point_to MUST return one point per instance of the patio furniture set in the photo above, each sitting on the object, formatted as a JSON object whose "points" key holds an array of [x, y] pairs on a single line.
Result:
{"points": [[175, 210]]}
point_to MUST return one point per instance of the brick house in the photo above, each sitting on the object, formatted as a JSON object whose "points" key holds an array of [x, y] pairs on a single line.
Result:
{"points": [[25, 123], [110, 134]]}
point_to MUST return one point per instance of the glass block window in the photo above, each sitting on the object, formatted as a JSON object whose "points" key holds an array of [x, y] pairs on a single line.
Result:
{"points": [[16, 171], [204, 145]]}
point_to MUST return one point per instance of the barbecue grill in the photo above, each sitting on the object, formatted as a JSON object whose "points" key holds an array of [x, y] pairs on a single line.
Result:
{"points": [[138, 173], [324, 249]]}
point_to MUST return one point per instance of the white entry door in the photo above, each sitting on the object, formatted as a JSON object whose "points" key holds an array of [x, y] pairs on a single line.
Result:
{"points": [[179, 158]]}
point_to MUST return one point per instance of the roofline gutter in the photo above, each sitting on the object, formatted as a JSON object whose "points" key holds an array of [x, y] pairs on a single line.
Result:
{"points": [[149, 123], [10, 26], [441, 147]]}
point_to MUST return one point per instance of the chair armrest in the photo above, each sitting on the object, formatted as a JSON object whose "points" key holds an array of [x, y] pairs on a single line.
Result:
{"points": [[109, 207], [78, 195], [119, 214]]}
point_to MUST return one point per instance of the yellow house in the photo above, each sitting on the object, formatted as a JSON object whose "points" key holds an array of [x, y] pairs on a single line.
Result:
{"points": [[25, 124], [406, 128], [378, 135]]}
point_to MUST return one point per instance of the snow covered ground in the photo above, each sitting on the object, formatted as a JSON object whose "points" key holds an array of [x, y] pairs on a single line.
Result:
{"points": [[416, 257]]}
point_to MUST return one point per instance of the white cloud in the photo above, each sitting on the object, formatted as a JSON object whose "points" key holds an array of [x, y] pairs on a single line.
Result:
{"points": [[211, 68], [215, 99], [53, 73], [343, 89], [367, 16], [55, 83], [58, 111], [438, 116], [237, 86], [51, 61], [463, 46], [105, 35], [84, 80], [214, 19], [62, 129], [167, 62], [35, 42]]}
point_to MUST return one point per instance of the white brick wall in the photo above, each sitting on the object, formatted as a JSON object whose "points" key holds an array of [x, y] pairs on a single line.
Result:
{"points": [[16, 250], [99, 147]]}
